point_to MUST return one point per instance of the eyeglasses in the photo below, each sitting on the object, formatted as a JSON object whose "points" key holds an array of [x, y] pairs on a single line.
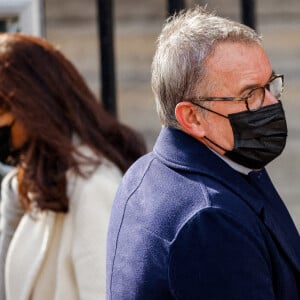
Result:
{"points": [[255, 99]]}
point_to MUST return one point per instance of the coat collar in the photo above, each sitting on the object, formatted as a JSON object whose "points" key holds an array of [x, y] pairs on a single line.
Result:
{"points": [[177, 148], [181, 151]]}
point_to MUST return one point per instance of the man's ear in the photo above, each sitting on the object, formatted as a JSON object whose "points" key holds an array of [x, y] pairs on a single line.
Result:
{"points": [[190, 119]]}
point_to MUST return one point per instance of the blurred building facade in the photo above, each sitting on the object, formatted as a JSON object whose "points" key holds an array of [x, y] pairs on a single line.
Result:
{"points": [[71, 24]]}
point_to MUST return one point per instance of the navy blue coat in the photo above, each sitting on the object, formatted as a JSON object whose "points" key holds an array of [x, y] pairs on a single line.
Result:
{"points": [[185, 225]]}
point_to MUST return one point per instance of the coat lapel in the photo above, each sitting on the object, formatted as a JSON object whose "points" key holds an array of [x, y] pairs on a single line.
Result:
{"points": [[276, 214], [26, 254]]}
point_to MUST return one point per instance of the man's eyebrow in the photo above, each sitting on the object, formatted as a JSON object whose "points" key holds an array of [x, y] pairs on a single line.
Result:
{"points": [[248, 87]]}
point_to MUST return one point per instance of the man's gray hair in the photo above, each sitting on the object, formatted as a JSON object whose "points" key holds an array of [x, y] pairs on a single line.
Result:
{"points": [[186, 41]]}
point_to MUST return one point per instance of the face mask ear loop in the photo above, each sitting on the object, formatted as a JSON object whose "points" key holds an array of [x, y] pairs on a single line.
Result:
{"points": [[221, 115], [220, 147]]}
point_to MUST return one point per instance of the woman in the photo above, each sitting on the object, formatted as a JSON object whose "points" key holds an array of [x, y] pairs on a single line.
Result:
{"points": [[70, 155]]}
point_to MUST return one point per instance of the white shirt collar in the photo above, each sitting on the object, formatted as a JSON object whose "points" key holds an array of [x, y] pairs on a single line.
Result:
{"points": [[232, 164]]}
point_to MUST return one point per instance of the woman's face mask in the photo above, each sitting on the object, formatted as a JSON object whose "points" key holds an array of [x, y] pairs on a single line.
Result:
{"points": [[8, 155], [5, 142]]}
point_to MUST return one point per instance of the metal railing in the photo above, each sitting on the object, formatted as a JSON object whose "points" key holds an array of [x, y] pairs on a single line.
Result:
{"points": [[107, 58], [106, 40]]}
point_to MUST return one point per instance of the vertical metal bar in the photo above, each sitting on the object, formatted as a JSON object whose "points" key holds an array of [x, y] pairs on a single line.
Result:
{"points": [[2, 26], [107, 63], [248, 13], [42, 12], [175, 6]]}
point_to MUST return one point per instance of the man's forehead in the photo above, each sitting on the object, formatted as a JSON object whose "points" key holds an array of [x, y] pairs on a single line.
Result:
{"points": [[233, 62], [230, 55]]}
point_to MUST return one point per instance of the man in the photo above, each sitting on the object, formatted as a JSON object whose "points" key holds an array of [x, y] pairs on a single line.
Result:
{"points": [[198, 218]]}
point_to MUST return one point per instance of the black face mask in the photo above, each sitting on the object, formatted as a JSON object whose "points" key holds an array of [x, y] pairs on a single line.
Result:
{"points": [[259, 136], [4, 143], [8, 155]]}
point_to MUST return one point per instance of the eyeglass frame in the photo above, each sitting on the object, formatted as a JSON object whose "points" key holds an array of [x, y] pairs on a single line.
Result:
{"points": [[274, 76]]}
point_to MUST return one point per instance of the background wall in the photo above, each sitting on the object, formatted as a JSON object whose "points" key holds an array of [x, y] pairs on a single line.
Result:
{"points": [[71, 24]]}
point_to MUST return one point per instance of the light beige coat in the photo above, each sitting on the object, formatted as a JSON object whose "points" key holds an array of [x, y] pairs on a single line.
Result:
{"points": [[62, 256]]}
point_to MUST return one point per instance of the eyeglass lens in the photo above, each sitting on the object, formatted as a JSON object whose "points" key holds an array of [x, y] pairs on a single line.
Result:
{"points": [[276, 87], [256, 97]]}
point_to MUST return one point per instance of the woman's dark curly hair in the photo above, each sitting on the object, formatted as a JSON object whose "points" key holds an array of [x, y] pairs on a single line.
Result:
{"points": [[47, 95]]}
